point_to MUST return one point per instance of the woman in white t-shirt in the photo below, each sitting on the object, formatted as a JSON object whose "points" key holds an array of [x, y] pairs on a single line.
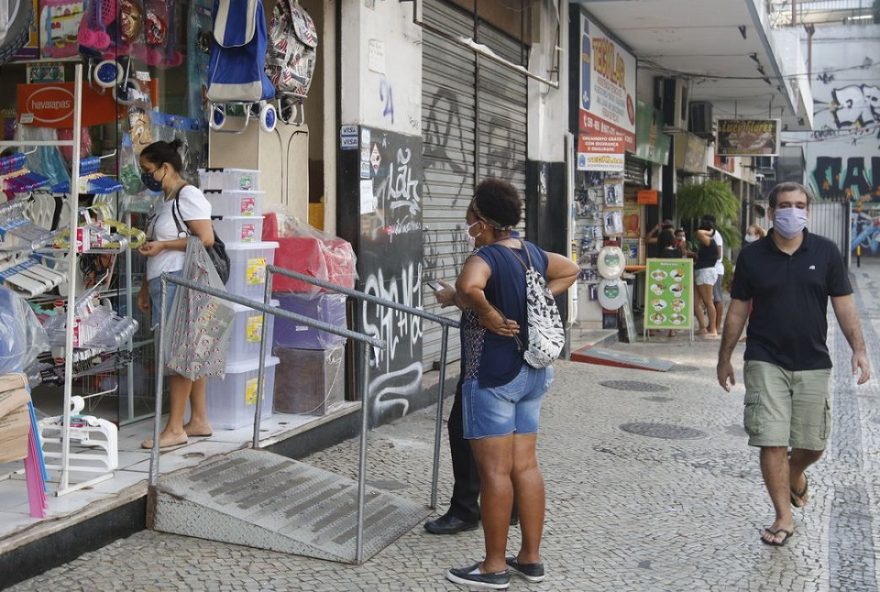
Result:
{"points": [[165, 251]]}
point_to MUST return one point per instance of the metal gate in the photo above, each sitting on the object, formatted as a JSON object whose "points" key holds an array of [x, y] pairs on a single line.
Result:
{"points": [[474, 114], [831, 219]]}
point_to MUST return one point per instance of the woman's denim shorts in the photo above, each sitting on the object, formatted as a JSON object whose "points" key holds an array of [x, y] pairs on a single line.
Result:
{"points": [[511, 408], [155, 286]]}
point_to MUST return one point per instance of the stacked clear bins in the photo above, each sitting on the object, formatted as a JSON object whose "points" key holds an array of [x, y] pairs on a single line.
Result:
{"points": [[311, 372], [236, 206]]}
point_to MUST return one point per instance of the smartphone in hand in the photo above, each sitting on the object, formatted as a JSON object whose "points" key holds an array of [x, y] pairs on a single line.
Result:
{"points": [[435, 285]]}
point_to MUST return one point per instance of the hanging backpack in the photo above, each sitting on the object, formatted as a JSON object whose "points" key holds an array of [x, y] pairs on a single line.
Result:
{"points": [[292, 55], [238, 55], [546, 334]]}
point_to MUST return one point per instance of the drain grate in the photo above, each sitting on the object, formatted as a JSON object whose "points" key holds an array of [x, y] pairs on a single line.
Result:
{"points": [[634, 385], [658, 399], [663, 430], [683, 368]]}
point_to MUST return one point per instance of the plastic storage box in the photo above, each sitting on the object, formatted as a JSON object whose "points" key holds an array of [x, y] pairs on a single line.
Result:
{"points": [[329, 308], [235, 203], [309, 381], [247, 328], [247, 273], [229, 179], [232, 401], [239, 229]]}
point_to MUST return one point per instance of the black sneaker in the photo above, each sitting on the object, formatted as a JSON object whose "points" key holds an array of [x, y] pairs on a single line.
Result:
{"points": [[472, 578], [532, 572]]}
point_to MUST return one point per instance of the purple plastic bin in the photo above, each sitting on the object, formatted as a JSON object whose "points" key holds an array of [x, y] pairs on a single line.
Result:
{"points": [[329, 308]]}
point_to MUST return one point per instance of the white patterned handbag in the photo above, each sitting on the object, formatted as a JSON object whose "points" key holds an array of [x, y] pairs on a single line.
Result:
{"points": [[546, 334]]}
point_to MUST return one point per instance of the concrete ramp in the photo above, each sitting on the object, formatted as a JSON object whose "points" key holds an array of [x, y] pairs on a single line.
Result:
{"points": [[259, 499]]}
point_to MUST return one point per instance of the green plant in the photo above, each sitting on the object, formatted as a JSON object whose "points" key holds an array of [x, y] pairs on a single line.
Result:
{"points": [[728, 274], [695, 200]]}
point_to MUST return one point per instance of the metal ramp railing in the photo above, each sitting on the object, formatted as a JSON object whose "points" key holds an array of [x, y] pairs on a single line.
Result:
{"points": [[366, 342]]}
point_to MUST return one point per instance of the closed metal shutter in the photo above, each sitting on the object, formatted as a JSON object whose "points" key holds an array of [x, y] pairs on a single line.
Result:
{"points": [[466, 103], [502, 109]]}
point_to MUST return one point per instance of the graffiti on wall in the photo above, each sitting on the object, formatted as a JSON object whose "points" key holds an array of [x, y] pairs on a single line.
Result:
{"points": [[849, 178], [866, 232], [842, 150], [390, 267]]}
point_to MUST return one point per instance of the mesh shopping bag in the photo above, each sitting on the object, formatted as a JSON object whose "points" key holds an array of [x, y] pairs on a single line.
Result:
{"points": [[199, 325]]}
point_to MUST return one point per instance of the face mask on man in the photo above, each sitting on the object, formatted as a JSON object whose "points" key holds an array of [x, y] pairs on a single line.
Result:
{"points": [[790, 222]]}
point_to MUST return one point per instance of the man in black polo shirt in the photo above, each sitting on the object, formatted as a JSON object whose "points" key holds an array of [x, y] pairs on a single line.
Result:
{"points": [[788, 277]]}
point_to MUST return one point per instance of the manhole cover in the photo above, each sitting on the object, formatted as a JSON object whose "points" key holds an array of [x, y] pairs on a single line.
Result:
{"points": [[683, 368], [662, 430], [658, 399], [634, 385]]}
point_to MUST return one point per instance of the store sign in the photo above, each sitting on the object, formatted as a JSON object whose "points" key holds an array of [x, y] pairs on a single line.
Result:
{"points": [[748, 137], [597, 161], [669, 296], [651, 143], [51, 105], [607, 118]]}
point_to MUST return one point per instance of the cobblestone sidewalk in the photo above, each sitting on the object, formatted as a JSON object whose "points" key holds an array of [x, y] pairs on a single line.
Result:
{"points": [[680, 510]]}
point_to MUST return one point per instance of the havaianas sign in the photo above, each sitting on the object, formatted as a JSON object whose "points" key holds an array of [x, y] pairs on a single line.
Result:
{"points": [[51, 105]]}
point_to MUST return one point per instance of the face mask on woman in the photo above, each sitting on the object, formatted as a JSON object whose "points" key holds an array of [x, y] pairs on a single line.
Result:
{"points": [[750, 238], [790, 222], [150, 182], [472, 240]]}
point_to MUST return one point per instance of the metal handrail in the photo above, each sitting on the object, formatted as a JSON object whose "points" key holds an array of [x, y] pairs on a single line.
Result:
{"points": [[444, 322], [266, 308]]}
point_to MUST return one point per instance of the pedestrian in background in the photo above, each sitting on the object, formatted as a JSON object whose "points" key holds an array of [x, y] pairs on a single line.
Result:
{"points": [[788, 278], [718, 288], [501, 394], [753, 233], [705, 276]]}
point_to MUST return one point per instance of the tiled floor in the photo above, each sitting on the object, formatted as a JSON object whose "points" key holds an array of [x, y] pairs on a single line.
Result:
{"points": [[134, 464]]}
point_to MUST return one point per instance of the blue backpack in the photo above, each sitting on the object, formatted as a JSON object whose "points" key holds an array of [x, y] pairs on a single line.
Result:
{"points": [[236, 70]]}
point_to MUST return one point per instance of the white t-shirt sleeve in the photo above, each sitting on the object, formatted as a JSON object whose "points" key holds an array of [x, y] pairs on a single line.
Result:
{"points": [[719, 264], [193, 204]]}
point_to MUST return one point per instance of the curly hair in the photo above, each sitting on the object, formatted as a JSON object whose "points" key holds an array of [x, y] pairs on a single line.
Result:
{"points": [[497, 203]]}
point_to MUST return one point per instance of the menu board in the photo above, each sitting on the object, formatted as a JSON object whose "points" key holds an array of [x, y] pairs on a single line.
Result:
{"points": [[669, 295]]}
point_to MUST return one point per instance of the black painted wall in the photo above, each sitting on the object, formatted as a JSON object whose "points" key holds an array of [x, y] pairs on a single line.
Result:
{"points": [[387, 237]]}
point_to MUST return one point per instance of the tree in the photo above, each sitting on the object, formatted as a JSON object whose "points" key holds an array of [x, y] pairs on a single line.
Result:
{"points": [[695, 200]]}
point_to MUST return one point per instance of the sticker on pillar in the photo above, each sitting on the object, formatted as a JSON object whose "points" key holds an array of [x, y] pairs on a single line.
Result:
{"points": [[254, 328], [375, 158], [365, 138], [255, 273], [366, 171], [368, 202], [348, 137]]}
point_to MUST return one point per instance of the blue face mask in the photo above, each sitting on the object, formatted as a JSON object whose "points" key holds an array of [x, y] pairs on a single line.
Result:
{"points": [[150, 181]]}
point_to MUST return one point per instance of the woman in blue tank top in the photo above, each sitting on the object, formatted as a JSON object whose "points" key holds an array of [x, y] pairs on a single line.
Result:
{"points": [[501, 394]]}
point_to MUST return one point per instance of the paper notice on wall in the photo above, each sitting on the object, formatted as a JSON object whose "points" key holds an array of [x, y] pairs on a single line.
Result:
{"points": [[376, 56], [368, 202]]}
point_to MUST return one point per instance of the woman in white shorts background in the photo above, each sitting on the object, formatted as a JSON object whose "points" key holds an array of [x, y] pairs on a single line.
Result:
{"points": [[705, 277]]}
